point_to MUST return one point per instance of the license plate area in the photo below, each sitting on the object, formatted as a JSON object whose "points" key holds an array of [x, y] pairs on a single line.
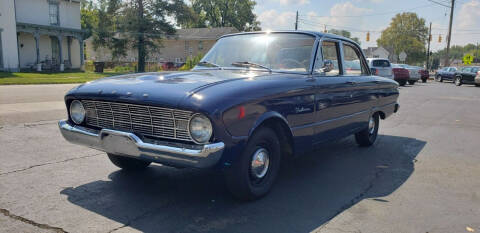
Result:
{"points": [[119, 144]]}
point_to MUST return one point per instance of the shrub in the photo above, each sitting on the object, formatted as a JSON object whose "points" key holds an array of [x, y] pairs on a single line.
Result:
{"points": [[191, 62]]}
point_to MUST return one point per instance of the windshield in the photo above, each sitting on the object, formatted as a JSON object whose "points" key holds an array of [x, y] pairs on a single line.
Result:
{"points": [[276, 51]]}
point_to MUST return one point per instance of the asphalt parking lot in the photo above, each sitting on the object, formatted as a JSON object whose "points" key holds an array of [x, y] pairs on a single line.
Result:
{"points": [[422, 175]]}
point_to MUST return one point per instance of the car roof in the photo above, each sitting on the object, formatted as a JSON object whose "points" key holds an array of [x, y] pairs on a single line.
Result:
{"points": [[311, 33], [376, 58]]}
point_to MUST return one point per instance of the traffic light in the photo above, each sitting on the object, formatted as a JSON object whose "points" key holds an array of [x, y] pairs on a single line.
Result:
{"points": [[439, 38], [368, 36]]}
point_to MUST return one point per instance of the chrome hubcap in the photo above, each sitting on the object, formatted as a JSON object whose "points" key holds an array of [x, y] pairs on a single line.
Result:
{"points": [[260, 163], [457, 81], [371, 125]]}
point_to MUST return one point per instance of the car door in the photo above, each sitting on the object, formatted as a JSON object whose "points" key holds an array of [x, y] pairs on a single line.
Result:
{"points": [[469, 76], [364, 86], [333, 93], [451, 73]]}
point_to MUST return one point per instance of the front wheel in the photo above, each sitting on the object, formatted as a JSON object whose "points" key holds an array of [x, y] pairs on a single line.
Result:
{"points": [[402, 82], [424, 80], [411, 82], [253, 174], [128, 164], [458, 81], [368, 136]]}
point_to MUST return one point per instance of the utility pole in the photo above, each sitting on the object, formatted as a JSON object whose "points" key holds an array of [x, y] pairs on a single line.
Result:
{"points": [[428, 49], [449, 37], [296, 22]]}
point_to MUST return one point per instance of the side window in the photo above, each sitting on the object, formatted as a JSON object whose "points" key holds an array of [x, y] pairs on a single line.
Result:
{"points": [[352, 60], [327, 59]]}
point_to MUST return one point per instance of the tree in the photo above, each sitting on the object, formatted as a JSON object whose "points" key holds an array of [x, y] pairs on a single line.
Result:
{"points": [[227, 13], [344, 33], [407, 32], [89, 17], [138, 24], [458, 51]]}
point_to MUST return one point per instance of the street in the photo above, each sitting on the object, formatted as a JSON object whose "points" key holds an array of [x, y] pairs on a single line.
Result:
{"points": [[422, 175]]}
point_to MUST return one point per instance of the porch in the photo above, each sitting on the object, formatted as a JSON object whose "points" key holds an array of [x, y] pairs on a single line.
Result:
{"points": [[50, 48]]}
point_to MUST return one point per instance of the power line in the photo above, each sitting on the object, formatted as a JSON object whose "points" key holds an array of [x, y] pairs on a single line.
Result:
{"points": [[439, 3]]}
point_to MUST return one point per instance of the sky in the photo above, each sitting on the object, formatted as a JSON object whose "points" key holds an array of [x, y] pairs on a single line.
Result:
{"points": [[362, 16]]}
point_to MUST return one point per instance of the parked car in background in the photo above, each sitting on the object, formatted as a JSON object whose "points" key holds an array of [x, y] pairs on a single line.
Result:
{"points": [[254, 100], [400, 74], [413, 73], [477, 79], [446, 73], [380, 67], [466, 75], [424, 75]]}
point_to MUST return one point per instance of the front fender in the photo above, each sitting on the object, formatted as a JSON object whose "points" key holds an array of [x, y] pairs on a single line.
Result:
{"points": [[266, 116]]}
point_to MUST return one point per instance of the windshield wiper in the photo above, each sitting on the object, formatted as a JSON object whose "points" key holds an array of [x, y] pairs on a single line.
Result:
{"points": [[206, 63], [250, 64]]}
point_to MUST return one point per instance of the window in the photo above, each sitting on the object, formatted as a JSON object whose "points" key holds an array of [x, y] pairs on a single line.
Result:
{"points": [[453, 69], [327, 59], [352, 60], [466, 69], [381, 63], [53, 12], [200, 45], [278, 51]]}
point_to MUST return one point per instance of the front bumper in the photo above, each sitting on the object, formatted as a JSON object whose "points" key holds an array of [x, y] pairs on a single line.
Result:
{"points": [[129, 145]]}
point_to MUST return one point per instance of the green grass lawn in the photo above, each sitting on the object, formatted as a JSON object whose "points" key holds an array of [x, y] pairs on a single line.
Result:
{"points": [[8, 78]]}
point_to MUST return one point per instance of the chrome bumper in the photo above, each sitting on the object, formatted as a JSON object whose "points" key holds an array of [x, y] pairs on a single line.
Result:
{"points": [[130, 145]]}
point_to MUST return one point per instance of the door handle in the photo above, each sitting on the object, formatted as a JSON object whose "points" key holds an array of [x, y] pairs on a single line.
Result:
{"points": [[351, 83]]}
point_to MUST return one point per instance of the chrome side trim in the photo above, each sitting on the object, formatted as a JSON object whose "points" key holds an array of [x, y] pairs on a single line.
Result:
{"points": [[129, 145]]}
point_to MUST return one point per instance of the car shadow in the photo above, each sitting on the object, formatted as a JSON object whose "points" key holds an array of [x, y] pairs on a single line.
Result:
{"points": [[310, 191]]}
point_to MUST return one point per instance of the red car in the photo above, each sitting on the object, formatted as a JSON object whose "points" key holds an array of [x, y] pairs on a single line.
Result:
{"points": [[424, 75], [400, 74]]}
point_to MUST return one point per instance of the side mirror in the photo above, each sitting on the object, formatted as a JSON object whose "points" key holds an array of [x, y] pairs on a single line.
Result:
{"points": [[328, 66]]}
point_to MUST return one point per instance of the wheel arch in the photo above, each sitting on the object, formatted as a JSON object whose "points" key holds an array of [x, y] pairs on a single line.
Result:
{"points": [[280, 126]]}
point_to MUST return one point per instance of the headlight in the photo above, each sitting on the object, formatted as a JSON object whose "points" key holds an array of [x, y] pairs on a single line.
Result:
{"points": [[200, 128], [77, 112]]}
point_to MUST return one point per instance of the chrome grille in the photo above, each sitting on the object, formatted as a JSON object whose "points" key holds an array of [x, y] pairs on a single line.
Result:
{"points": [[139, 119]]}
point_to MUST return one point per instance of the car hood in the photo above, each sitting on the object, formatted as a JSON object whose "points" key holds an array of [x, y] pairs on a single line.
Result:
{"points": [[162, 88]]}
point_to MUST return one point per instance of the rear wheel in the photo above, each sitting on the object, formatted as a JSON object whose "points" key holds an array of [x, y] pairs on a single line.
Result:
{"points": [[255, 171], [368, 136], [458, 81], [402, 82], [129, 164], [424, 80], [477, 84], [411, 82]]}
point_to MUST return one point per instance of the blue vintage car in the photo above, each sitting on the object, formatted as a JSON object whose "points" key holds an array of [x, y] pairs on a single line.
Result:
{"points": [[253, 101]]}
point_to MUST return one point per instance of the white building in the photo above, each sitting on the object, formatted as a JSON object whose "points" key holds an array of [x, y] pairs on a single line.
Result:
{"points": [[376, 52], [40, 33]]}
